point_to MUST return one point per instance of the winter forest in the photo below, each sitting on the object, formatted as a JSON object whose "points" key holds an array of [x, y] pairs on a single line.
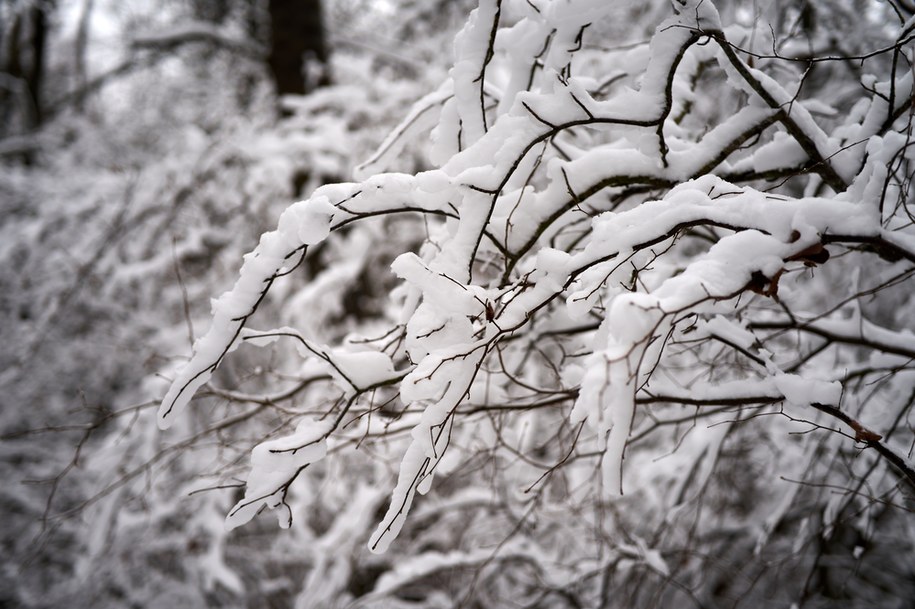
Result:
{"points": [[457, 303]]}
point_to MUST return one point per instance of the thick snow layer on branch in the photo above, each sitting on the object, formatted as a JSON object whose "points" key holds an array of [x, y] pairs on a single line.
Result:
{"points": [[472, 50], [710, 200], [274, 465], [637, 321], [302, 224], [442, 381], [353, 370], [612, 377], [229, 311], [805, 391]]}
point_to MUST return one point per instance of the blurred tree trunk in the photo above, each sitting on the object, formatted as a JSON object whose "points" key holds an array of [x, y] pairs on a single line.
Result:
{"points": [[22, 65], [80, 69], [298, 48], [214, 11]]}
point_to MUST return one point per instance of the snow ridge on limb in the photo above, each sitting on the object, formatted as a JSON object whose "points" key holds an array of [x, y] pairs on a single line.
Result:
{"points": [[279, 252], [639, 323], [447, 376], [304, 223], [274, 466], [439, 383]]}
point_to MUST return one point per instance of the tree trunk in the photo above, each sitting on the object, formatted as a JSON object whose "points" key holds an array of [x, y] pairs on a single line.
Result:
{"points": [[298, 49], [22, 68]]}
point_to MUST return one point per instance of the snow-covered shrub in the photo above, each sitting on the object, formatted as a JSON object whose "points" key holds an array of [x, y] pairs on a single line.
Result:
{"points": [[603, 322], [652, 344]]}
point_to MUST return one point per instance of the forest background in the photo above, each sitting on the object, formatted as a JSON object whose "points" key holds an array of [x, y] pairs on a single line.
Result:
{"points": [[739, 178]]}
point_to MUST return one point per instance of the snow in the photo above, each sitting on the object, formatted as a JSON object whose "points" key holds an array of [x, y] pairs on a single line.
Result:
{"points": [[441, 382], [314, 219], [782, 151], [583, 299], [353, 369], [803, 391], [274, 464], [424, 115], [366, 368]]}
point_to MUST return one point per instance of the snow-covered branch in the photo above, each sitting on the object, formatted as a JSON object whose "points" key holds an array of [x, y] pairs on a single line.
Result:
{"points": [[629, 274]]}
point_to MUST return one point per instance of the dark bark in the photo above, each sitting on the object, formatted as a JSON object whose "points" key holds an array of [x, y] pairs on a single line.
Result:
{"points": [[22, 67], [80, 70], [214, 11], [298, 48]]}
